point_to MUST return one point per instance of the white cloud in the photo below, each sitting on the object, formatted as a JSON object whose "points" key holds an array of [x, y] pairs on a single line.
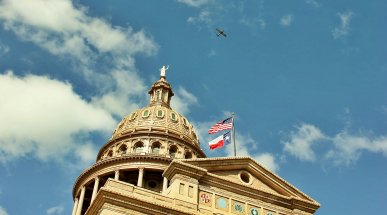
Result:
{"points": [[183, 100], [260, 22], [343, 148], [194, 3], [314, 3], [120, 101], [3, 49], [247, 146], [302, 140], [61, 24], [267, 160], [3, 211], [86, 153], [344, 28], [55, 210], [203, 17], [287, 20], [253, 22], [65, 30], [348, 147], [45, 118]]}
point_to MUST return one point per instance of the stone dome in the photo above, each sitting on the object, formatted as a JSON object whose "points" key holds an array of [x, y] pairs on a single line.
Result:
{"points": [[142, 146], [156, 124], [157, 119]]}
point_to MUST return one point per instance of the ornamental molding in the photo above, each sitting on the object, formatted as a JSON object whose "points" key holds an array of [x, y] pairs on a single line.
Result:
{"points": [[189, 168], [111, 162], [145, 133], [113, 196], [254, 168], [178, 167]]}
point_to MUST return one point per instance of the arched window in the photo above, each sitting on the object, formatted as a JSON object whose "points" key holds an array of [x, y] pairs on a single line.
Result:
{"points": [[188, 155], [173, 117], [122, 149], [172, 151], [185, 122], [133, 116], [139, 147], [110, 154], [145, 114], [156, 148], [160, 113]]}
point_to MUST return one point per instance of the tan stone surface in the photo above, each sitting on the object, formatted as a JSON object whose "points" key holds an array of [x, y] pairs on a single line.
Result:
{"points": [[148, 149]]}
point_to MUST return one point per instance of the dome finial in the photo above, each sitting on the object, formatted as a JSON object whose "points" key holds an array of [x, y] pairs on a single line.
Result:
{"points": [[163, 70], [161, 90]]}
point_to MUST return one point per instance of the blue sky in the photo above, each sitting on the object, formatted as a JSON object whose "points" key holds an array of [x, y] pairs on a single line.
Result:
{"points": [[306, 79]]}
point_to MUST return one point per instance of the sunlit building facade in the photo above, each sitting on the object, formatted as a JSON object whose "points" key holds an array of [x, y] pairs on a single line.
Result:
{"points": [[153, 164]]}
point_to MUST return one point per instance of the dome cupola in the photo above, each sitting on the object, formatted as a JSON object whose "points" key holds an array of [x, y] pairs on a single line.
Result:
{"points": [[155, 128], [161, 91], [142, 146]]}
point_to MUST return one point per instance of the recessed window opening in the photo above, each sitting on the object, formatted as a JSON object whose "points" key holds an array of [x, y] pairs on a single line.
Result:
{"points": [[172, 151], [173, 117], [110, 154], [138, 147], [160, 113], [245, 177], [156, 148], [152, 184], [145, 114], [122, 149], [133, 116], [188, 155]]}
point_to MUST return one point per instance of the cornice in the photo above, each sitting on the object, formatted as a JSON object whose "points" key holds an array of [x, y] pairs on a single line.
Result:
{"points": [[116, 160], [184, 167], [245, 190], [106, 195], [250, 164], [179, 167]]}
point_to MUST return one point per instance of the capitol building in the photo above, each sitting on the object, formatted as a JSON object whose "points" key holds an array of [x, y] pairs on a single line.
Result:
{"points": [[153, 164]]}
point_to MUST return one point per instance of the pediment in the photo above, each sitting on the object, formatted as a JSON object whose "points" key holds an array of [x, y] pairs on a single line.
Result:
{"points": [[247, 178], [248, 173]]}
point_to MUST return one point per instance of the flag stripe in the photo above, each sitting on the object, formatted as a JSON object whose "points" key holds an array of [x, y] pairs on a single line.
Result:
{"points": [[220, 126]]}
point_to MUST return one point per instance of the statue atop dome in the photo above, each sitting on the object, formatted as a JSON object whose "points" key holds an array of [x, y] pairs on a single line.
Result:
{"points": [[163, 70]]}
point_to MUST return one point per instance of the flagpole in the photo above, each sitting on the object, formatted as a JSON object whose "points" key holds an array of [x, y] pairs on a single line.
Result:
{"points": [[233, 133]]}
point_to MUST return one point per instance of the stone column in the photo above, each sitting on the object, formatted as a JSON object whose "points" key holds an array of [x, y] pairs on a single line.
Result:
{"points": [[95, 189], [80, 203], [75, 206], [165, 185], [117, 175], [140, 176]]}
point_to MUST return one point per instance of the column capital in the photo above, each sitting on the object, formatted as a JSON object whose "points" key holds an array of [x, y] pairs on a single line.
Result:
{"points": [[116, 174]]}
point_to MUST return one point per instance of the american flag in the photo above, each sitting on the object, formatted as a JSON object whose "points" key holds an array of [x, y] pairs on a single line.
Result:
{"points": [[220, 126]]}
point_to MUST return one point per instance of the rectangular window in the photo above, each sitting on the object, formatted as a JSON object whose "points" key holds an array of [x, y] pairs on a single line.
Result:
{"points": [[181, 189], [190, 191]]}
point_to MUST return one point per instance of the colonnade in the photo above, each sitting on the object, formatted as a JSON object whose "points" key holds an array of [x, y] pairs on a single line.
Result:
{"points": [[78, 201]]}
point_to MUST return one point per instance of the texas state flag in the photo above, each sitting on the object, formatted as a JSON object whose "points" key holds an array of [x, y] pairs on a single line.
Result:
{"points": [[220, 141]]}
